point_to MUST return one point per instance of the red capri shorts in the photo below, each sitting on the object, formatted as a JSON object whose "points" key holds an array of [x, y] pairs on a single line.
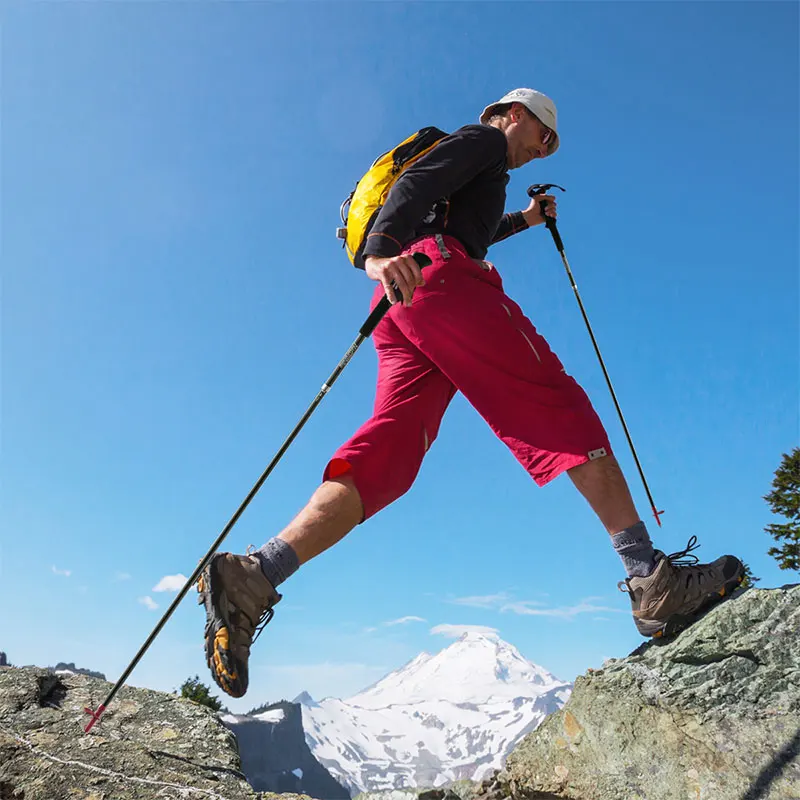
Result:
{"points": [[463, 333]]}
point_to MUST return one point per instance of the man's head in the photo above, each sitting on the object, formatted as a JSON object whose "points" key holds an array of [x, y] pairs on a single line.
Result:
{"points": [[528, 119]]}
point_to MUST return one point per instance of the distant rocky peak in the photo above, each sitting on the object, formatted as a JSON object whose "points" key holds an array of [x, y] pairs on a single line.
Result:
{"points": [[305, 699]]}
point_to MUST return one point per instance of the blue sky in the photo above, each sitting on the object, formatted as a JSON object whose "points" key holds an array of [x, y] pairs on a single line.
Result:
{"points": [[173, 297]]}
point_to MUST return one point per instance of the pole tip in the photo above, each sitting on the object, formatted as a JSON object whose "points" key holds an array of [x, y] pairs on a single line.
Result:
{"points": [[95, 715], [657, 515]]}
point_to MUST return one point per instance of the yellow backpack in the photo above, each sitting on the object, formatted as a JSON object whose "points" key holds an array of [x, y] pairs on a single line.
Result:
{"points": [[362, 205]]}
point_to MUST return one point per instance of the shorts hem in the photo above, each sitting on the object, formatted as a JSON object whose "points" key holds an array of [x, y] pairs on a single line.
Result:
{"points": [[339, 468], [565, 464]]}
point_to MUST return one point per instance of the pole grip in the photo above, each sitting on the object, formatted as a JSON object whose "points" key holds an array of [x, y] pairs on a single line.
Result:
{"points": [[375, 317], [551, 226], [538, 189], [377, 313]]}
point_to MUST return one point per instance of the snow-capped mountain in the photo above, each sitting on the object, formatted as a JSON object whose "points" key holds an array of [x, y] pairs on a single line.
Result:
{"points": [[443, 717]]}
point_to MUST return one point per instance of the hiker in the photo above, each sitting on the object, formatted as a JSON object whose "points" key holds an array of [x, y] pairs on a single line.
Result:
{"points": [[456, 330]]}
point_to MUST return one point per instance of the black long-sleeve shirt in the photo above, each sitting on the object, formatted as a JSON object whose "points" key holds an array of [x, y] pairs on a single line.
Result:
{"points": [[458, 189]]}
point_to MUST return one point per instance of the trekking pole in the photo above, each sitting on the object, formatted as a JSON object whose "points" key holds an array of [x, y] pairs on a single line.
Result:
{"points": [[364, 333], [533, 191]]}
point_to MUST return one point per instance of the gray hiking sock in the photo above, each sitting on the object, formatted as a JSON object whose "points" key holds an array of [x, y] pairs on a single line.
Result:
{"points": [[634, 547], [278, 560]]}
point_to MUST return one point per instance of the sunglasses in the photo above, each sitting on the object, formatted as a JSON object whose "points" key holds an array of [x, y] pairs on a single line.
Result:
{"points": [[547, 134]]}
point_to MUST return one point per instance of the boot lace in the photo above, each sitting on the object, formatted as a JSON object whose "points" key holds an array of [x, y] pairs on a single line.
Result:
{"points": [[682, 558], [263, 621]]}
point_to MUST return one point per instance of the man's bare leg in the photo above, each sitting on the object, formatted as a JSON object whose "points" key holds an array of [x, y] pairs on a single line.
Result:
{"points": [[604, 486], [602, 483], [333, 511], [239, 592]]}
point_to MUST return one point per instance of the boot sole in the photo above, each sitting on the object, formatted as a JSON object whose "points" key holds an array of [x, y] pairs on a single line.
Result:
{"points": [[666, 629], [219, 658]]}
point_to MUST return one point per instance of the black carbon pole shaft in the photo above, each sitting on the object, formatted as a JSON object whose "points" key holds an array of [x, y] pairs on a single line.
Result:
{"points": [[364, 333], [550, 223]]}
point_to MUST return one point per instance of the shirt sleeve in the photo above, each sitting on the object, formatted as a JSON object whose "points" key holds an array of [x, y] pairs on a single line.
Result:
{"points": [[509, 225], [451, 164]]}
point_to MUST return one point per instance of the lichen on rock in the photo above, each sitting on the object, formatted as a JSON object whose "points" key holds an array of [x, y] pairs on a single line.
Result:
{"points": [[713, 714]]}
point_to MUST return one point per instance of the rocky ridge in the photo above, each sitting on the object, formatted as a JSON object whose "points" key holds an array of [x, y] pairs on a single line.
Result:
{"points": [[712, 715], [147, 745]]}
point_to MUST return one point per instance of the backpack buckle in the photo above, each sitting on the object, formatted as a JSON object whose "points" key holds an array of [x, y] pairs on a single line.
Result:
{"points": [[443, 251]]}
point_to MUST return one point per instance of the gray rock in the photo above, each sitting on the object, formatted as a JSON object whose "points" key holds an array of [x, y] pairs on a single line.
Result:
{"points": [[491, 788], [713, 714], [455, 790], [147, 745], [391, 794]]}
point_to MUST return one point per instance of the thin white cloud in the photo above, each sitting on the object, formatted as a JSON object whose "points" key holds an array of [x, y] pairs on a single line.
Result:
{"points": [[148, 602], [122, 576], [65, 572], [393, 622], [170, 583], [456, 631], [534, 609], [483, 601], [404, 621]]}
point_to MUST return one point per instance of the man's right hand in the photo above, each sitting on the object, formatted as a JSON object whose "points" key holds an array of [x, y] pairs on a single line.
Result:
{"points": [[401, 270]]}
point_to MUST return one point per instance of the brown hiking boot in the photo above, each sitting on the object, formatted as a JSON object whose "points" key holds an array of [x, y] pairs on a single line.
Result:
{"points": [[239, 601], [670, 598]]}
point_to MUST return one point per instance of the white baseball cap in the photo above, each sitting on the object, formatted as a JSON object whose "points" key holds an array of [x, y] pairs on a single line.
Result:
{"points": [[540, 105]]}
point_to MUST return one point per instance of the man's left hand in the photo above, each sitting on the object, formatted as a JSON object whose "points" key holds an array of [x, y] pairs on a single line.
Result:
{"points": [[533, 215]]}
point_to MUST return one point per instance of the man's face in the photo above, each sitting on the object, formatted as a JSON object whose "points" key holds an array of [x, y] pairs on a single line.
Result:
{"points": [[527, 137]]}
